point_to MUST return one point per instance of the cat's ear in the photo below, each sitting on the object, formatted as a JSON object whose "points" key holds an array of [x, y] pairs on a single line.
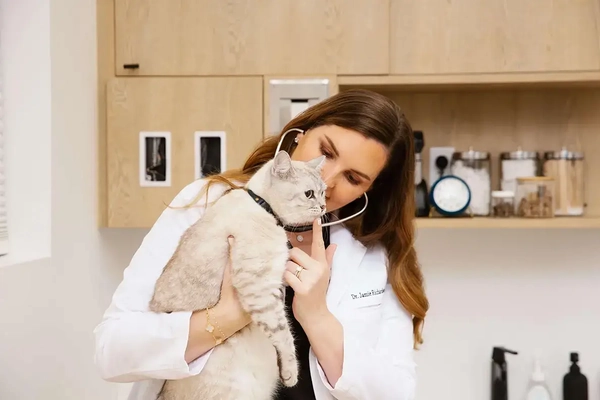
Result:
{"points": [[317, 163], [282, 165]]}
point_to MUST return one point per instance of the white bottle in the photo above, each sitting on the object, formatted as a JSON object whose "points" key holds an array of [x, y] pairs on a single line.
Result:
{"points": [[538, 389]]}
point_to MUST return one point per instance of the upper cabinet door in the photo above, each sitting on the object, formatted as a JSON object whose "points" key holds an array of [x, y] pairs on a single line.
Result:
{"points": [[243, 37], [163, 133], [486, 36]]}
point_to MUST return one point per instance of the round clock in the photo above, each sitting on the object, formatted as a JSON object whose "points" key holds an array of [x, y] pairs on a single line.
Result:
{"points": [[450, 195]]}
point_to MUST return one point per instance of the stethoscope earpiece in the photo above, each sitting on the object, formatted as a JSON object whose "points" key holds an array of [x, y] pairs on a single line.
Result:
{"points": [[284, 136]]}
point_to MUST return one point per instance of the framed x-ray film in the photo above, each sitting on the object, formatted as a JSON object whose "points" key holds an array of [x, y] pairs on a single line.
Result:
{"points": [[210, 153], [155, 159]]}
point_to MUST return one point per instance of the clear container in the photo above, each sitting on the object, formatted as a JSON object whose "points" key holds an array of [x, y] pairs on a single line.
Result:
{"points": [[534, 197], [516, 164], [567, 169], [475, 169], [503, 204]]}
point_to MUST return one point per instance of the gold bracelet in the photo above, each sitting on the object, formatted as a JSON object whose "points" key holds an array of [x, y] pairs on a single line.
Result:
{"points": [[210, 328]]}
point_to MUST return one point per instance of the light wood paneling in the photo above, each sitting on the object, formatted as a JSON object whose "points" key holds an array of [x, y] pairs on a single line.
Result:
{"points": [[509, 223], [106, 70], [577, 79], [249, 37], [493, 36], [180, 106], [502, 120]]}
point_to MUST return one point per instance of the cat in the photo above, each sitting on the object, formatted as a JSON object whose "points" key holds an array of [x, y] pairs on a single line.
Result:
{"points": [[252, 363]]}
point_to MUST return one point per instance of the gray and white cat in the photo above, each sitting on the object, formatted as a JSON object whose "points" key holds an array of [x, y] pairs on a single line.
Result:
{"points": [[250, 364]]}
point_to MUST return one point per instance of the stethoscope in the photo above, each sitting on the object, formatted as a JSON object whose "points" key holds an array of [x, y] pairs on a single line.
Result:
{"points": [[324, 224]]}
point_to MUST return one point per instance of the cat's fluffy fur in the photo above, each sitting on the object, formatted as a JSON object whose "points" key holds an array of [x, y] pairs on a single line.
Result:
{"points": [[244, 367]]}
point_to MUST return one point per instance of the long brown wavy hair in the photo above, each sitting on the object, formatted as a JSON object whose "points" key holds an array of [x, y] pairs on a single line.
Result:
{"points": [[389, 217]]}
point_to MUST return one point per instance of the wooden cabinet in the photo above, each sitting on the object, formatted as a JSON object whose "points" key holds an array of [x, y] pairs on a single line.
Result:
{"points": [[180, 107], [249, 37], [204, 65], [493, 36]]}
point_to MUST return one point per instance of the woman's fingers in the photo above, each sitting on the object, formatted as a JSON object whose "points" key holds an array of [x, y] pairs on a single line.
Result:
{"points": [[291, 280], [301, 258], [317, 249], [292, 267], [301, 281]]}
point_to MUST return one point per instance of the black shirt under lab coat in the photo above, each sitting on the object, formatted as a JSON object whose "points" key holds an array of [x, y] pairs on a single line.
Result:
{"points": [[304, 388]]}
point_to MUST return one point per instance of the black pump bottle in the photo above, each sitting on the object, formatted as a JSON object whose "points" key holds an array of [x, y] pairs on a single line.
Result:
{"points": [[575, 384], [499, 375], [421, 192]]}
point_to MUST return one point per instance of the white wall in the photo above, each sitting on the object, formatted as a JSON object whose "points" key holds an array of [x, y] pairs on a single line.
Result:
{"points": [[25, 55], [522, 289], [526, 290], [49, 307]]}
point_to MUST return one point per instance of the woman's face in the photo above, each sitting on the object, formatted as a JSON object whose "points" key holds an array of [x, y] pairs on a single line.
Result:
{"points": [[352, 161]]}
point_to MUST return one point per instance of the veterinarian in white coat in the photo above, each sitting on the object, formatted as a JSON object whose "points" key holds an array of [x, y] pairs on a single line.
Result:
{"points": [[377, 334]]}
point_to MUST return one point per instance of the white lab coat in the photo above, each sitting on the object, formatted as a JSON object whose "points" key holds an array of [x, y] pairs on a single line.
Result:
{"points": [[135, 345]]}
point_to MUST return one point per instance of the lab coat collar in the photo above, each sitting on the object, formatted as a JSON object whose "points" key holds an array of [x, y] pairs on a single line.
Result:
{"points": [[346, 260]]}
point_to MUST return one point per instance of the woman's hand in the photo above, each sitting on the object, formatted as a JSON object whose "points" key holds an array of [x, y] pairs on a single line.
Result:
{"points": [[311, 283]]}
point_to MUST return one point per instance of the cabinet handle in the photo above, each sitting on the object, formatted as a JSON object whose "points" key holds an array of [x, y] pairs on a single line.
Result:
{"points": [[131, 66]]}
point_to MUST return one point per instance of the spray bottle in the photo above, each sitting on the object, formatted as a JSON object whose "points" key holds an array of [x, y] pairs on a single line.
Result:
{"points": [[538, 389], [499, 373]]}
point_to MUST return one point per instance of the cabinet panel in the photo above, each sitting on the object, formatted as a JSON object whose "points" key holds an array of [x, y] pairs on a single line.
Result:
{"points": [[470, 36], [181, 107], [244, 37]]}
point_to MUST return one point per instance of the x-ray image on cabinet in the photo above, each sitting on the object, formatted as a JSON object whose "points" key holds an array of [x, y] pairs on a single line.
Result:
{"points": [[155, 160], [210, 153]]}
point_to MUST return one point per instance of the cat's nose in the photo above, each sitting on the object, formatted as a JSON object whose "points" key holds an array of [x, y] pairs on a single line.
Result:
{"points": [[323, 208]]}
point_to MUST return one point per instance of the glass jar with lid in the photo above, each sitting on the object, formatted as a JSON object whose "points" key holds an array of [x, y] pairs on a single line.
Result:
{"points": [[517, 164], [566, 167], [474, 168], [534, 197], [503, 204]]}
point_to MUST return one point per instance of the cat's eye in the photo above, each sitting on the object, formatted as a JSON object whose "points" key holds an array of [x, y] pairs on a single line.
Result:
{"points": [[309, 194]]}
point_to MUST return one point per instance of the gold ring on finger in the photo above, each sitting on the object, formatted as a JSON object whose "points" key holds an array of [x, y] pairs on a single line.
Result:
{"points": [[298, 271]]}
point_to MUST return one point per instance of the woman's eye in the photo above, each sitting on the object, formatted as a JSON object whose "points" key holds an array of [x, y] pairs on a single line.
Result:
{"points": [[309, 194], [325, 152], [352, 179]]}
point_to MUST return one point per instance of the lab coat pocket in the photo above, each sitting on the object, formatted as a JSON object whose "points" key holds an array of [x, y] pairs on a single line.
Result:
{"points": [[363, 309], [363, 300]]}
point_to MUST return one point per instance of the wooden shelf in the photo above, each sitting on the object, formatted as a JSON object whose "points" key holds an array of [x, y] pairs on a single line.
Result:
{"points": [[504, 120], [583, 79], [510, 223]]}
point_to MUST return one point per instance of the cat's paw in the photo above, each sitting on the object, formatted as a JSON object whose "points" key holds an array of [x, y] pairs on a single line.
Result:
{"points": [[289, 374]]}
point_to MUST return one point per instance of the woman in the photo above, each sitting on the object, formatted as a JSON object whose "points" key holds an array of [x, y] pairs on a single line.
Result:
{"points": [[356, 320]]}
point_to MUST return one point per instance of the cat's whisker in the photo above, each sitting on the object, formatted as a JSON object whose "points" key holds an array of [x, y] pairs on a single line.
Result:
{"points": [[291, 214], [331, 217], [287, 216]]}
